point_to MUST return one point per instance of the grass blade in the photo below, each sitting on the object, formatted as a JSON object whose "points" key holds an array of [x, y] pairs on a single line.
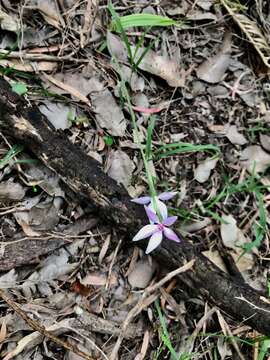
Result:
{"points": [[141, 20]]}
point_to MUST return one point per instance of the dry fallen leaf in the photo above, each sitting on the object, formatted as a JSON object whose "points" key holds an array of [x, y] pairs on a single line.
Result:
{"points": [[233, 238], [152, 63], [108, 113], [41, 216], [203, 171], [255, 159], [120, 167], [49, 10], [27, 66], [8, 22], [229, 231], [197, 15], [214, 256], [212, 70], [265, 141], [68, 88], [58, 114], [99, 279], [9, 279], [45, 178], [53, 267], [142, 274], [11, 191], [234, 136]]}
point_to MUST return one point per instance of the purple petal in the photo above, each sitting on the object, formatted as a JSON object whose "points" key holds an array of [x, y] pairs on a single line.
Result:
{"points": [[143, 200], [161, 207], [167, 195], [145, 232], [151, 215], [170, 220], [171, 235], [154, 241]]}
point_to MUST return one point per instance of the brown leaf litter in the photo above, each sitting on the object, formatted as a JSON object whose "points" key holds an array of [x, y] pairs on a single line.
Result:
{"points": [[60, 269]]}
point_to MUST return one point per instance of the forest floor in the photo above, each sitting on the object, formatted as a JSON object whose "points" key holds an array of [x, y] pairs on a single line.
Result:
{"points": [[186, 82]]}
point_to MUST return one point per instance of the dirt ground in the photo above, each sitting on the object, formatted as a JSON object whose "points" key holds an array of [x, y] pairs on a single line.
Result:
{"points": [[71, 287]]}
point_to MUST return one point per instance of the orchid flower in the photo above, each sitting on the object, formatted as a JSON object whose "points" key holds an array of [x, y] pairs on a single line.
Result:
{"points": [[156, 230], [145, 200]]}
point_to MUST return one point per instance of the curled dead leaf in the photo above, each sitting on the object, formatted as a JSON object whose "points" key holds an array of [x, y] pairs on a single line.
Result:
{"points": [[212, 70], [255, 159], [203, 171], [148, 61]]}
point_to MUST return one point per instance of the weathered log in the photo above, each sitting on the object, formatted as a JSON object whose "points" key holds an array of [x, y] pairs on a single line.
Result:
{"points": [[85, 177]]}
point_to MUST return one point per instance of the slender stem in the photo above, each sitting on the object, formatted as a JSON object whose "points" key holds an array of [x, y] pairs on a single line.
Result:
{"points": [[152, 189]]}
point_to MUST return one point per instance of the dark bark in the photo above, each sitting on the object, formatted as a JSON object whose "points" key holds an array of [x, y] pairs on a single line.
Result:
{"points": [[87, 180], [25, 250]]}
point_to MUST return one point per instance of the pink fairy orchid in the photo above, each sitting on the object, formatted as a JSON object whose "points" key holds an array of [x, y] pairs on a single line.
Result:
{"points": [[156, 230], [145, 200]]}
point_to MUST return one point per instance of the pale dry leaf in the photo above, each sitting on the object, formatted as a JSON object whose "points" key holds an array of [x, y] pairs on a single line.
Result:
{"points": [[8, 22], [3, 332], [150, 62], [104, 248], [58, 114], [214, 256], [197, 15], [11, 191], [251, 98], [137, 82], [28, 66], [99, 279], [203, 171], [212, 70], [195, 225], [229, 231], [244, 262], [35, 338], [120, 167], [205, 4], [223, 348], [142, 274], [265, 141], [53, 267], [69, 89], [9, 279], [81, 82], [235, 136], [233, 238], [45, 178], [42, 216], [255, 159], [145, 344], [23, 220], [49, 10], [45, 215], [108, 113]]}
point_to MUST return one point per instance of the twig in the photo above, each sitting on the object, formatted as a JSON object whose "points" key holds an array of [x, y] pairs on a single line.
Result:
{"points": [[89, 17], [40, 57]]}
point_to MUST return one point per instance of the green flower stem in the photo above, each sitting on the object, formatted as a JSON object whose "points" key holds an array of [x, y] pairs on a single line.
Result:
{"points": [[152, 189]]}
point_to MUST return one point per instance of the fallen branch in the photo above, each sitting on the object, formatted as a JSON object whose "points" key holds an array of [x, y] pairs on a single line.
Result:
{"points": [[86, 178]]}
